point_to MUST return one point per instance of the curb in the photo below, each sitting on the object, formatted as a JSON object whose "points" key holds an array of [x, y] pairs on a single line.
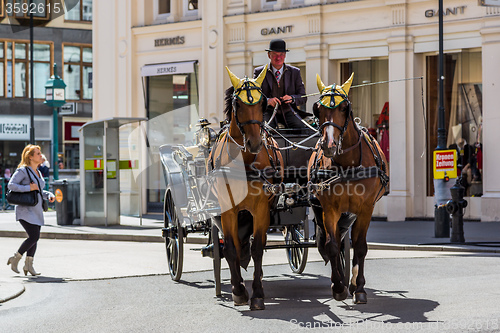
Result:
{"points": [[201, 239], [432, 248], [19, 287], [97, 237]]}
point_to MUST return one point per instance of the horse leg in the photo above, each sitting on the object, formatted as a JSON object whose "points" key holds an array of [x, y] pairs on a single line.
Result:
{"points": [[320, 233], [332, 249], [261, 224], [232, 250], [360, 246], [352, 284]]}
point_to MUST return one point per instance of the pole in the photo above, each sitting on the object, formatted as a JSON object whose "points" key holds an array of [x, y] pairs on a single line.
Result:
{"points": [[441, 194], [441, 130], [55, 157], [32, 89]]}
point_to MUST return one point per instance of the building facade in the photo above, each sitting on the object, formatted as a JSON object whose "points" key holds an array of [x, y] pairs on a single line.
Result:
{"points": [[152, 57], [62, 35]]}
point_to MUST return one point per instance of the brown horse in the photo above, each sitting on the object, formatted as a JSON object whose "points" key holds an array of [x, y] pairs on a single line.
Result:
{"points": [[349, 173], [245, 145]]}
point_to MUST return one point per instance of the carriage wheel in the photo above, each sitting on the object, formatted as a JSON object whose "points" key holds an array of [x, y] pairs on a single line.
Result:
{"points": [[217, 259], [174, 240], [297, 257]]}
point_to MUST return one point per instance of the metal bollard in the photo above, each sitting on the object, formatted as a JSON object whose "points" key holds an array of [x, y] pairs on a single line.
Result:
{"points": [[456, 206]]}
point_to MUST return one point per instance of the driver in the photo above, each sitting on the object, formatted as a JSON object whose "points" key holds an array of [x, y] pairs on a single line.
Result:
{"points": [[283, 86]]}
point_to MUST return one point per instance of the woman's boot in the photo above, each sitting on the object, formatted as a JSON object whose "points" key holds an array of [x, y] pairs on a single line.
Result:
{"points": [[14, 260], [28, 267]]}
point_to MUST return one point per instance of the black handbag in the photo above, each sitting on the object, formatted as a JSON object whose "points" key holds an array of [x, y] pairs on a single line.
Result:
{"points": [[23, 198]]}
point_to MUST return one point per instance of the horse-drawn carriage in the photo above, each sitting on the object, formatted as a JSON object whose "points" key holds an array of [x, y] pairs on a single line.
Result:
{"points": [[237, 184]]}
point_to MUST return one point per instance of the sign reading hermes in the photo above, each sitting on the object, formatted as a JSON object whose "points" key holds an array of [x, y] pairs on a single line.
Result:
{"points": [[170, 41], [168, 68], [277, 30]]}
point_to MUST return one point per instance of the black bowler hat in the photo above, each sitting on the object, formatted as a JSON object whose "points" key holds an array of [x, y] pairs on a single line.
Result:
{"points": [[277, 45]]}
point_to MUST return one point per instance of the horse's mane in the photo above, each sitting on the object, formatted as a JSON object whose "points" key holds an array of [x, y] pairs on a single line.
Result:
{"points": [[228, 105]]}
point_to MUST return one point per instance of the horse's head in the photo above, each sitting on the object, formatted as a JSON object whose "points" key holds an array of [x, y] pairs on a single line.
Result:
{"points": [[248, 104], [333, 110]]}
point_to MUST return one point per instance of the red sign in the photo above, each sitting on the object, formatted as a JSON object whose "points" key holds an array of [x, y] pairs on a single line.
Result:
{"points": [[71, 130], [445, 161]]}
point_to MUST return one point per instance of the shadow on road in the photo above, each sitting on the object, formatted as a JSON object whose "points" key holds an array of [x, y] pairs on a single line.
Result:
{"points": [[306, 300], [292, 299]]}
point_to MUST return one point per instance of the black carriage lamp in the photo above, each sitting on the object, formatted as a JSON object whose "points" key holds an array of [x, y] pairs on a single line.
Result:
{"points": [[55, 97], [205, 136]]}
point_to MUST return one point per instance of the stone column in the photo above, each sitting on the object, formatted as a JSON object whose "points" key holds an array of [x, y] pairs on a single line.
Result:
{"points": [[400, 130], [212, 59], [490, 200]]}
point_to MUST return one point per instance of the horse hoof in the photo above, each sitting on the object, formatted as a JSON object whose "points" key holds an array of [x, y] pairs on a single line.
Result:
{"points": [[240, 300], [257, 304], [352, 289], [360, 298], [340, 296]]}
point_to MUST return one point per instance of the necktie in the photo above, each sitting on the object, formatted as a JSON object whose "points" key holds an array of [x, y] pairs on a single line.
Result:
{"points": [[278, 76]]}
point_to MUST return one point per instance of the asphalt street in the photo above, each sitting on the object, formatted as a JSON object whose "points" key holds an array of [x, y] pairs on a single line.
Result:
{"points": [[444, 293], [89, 286]]}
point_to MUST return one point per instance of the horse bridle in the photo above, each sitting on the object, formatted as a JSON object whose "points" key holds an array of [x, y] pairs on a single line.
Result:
{"points": [[247, 86], [342, 129]]}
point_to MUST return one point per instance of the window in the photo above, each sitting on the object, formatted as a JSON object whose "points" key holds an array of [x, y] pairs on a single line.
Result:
{"points": [[21, 9], [171, 109], [192, 4], [163, 6], [371, 102], [77, 71], [190, 8], [82, 10], [463, 105], [14, 68]]}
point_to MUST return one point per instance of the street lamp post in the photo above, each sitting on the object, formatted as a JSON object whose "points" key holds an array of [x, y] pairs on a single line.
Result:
{"points": [[441, 216], [55, 97]]}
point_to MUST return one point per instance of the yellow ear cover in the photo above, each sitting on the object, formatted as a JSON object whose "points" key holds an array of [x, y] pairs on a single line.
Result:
{"points": [[326, 101], [255, 94]]}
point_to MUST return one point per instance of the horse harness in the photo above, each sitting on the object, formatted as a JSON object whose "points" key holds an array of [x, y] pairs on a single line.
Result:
{"points": [[324, 178], [247, 87]]}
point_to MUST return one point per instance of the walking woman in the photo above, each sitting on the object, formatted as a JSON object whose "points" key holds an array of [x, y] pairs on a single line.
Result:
{"points": [[30, 217]]}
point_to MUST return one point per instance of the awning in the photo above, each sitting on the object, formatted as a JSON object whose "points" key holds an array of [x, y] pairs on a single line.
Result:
{"points": [[168, 68]]}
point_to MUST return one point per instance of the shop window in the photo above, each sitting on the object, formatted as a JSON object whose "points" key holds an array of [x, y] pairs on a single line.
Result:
{"points": [[370, 103], [171, 120], [77, 71], [14, 69], [82, 11], [463, 115]]}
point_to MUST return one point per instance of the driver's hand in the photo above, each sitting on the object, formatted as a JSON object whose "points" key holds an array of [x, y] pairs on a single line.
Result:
{"points": [[273, 101], [287, 99]]}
